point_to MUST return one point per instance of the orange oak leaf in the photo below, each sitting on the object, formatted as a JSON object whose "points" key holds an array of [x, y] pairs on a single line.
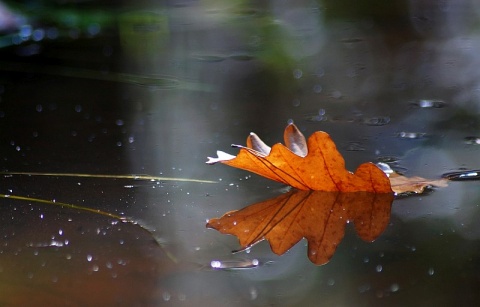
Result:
{"points": [[318, 216], [315, 164]]}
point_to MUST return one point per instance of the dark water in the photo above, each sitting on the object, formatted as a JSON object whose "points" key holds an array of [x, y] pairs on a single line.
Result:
{"points": [[102, 88]]}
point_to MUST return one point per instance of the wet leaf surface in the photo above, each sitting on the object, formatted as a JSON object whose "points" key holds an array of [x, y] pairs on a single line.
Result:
{"points": [[318, 216]]}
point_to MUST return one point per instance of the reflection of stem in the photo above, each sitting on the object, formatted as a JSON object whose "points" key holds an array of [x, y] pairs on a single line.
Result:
{"points": [[135, 177], [95, 211]]}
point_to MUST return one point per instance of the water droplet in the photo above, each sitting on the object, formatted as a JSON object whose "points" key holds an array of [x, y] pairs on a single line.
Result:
{"points": [[89, 258], [379, 268], [119, 122], [431, 271], [331, 282], [78, 108]]}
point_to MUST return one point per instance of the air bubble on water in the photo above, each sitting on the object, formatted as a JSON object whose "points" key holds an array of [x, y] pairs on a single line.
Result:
{"points": [[364, 288], [411, 135], [472, 140], [93, 29], [336, 94], [253, 293], [320, 72], [25, 31], [38, 35], [394, 287], [297, 73], [317, 88], [290, 121], [166, 296], [376, 121], [429, 103]]}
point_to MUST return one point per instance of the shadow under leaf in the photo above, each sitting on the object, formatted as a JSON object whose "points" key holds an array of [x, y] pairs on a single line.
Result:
{"points": [[318, 216]]}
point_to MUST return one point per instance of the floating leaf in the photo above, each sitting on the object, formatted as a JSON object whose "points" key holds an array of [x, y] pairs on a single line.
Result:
{"points": [[318, 216], [315, 164]]}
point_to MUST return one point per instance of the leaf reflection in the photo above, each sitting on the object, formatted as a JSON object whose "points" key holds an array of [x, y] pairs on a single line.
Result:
{"points": [[318, 216]]}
